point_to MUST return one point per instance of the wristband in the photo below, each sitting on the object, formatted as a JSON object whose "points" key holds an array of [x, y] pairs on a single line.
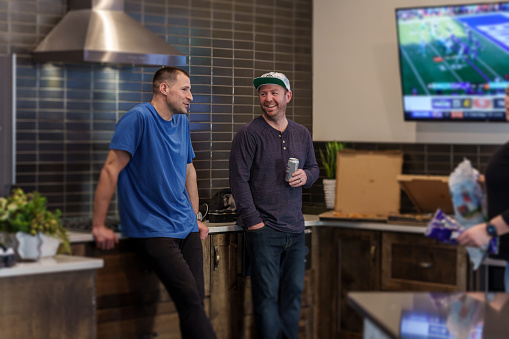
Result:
{"points": [[491, 230]]}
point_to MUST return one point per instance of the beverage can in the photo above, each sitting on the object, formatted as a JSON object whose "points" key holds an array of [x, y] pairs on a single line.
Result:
{"points": [[292, 166]]}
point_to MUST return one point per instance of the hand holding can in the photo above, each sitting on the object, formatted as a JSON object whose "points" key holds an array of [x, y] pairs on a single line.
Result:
{"points": [[291, 167]]}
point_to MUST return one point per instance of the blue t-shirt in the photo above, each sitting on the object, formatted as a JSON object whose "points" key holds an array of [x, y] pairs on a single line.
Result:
{"points": [[153, 200]]}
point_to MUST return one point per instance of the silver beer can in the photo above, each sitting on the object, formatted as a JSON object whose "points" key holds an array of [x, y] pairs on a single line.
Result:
{"points": [[292, 166]]}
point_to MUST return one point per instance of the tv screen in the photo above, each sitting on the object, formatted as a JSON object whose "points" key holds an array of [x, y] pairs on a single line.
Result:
{"points": [[454, 61]]}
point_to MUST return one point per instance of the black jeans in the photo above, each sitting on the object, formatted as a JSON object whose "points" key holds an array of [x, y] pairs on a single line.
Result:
{"points": [[179, 265]]}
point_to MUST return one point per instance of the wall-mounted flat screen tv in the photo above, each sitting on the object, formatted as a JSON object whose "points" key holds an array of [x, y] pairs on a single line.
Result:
{"points": [[454, 61]]}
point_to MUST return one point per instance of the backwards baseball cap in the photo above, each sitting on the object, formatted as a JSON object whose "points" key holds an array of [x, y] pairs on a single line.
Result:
{"points": [[272, 78]]}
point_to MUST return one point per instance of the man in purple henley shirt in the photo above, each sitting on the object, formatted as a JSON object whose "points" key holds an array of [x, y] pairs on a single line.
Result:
{"points": [[270, 208]]}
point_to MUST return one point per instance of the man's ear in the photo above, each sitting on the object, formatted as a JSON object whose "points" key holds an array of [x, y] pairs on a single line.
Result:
{"points": [[288, 96], [163, 88]]}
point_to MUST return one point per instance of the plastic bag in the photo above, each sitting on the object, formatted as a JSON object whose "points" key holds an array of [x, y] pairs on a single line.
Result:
{"points": [[467, 194], [467, 199]]}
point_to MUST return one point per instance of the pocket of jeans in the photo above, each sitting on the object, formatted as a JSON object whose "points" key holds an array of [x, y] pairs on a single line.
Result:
{"points": [[257, 229]]}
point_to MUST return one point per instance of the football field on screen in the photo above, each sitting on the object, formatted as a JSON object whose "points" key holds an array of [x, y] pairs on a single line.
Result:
{"points": [[460, 50]]}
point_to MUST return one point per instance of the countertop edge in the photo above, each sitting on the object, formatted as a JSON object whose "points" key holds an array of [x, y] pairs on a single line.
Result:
{"points": [[56, 264], [311, 220]]}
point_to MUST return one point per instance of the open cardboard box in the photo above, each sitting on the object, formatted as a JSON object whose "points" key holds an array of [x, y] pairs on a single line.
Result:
{"points": [[427, 192], [366, 185]]}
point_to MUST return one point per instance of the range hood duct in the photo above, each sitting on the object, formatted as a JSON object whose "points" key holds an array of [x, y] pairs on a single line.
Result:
{"points": [[100, 31]]}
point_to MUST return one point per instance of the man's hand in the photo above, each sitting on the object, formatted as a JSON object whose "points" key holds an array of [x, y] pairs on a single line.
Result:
{"points": [[299, 178], [105, 239], [257, 226], [475, 236], [204, 230]]}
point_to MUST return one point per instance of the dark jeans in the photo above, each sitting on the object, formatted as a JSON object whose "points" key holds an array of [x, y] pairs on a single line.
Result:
{"points": [[277, 279], [179, 265]]}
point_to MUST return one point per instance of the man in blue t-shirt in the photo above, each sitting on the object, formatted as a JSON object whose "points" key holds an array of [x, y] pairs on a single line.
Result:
{"points": [[270, 207], [150, 164]]}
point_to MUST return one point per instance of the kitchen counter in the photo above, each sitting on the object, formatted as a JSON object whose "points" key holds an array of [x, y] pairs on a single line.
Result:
{"points": [[311, 220], [50, 298], [432, 315], [56, 264]]}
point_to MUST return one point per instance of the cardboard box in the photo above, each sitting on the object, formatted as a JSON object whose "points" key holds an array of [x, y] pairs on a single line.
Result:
{"points": [[427, 192], [366, 182]]}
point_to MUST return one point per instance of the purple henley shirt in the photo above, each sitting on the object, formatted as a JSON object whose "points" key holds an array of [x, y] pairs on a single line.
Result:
{"points": [[258, 160]]}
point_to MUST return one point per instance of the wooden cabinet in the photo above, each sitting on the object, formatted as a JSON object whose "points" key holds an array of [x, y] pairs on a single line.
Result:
{"points": [[223, 270], [132, 303], [412, 262], [231, 308], [349, 260], [50, 305], [365, 260]]}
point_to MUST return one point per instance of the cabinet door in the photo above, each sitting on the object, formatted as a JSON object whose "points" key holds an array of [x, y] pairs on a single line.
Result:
{"points": [[412, 262], [358, 255], [348, 260], [225, 257]]}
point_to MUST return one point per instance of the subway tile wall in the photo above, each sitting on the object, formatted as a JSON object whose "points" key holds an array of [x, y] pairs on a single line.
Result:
{"points": [[66, 113]]}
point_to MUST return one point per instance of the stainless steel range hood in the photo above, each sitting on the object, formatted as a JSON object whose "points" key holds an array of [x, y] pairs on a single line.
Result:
{"points": [[100, 31]]}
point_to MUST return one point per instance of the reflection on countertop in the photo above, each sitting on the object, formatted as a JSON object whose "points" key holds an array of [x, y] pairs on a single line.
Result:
{"points": [[434, 315]]}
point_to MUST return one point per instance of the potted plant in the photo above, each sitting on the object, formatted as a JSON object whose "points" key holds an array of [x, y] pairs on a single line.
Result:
{"points": [[38, 232], [329, 160]]}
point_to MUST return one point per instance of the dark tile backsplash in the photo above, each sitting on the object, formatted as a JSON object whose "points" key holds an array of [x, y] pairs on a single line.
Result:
{"points": [[66, 113]]}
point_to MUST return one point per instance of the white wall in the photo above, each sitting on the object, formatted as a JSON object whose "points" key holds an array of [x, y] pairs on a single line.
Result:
{"points": [[356, 84]]}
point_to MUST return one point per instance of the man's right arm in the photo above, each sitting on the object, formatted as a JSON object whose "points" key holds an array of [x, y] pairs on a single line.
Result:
{"points": [[241, 160], [105, 238]]}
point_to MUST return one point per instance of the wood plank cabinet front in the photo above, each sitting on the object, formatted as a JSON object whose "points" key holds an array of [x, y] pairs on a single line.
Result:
{"points": [[132, 303], [368, 260]]}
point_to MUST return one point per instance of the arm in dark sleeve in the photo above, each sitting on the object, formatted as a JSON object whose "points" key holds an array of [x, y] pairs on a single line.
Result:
{"points": [[241, 160], [311, 166]]}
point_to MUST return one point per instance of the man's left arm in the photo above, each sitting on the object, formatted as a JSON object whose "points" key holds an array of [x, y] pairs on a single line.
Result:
{"points": [[192, 191]]}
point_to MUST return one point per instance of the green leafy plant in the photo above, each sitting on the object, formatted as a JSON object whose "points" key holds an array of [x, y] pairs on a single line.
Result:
{"points": [[20, 212], [330, 156]]}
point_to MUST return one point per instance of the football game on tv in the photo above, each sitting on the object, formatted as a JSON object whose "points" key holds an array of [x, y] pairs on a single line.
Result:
{"points": [[454, 61]]}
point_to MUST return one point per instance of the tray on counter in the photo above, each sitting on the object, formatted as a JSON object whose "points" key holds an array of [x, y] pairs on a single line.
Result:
{"points": [[398, 219], [335, 215]]}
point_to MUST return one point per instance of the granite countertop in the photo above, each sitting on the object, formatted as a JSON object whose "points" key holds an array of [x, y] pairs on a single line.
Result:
{"points": [[56, 264], [433, 315]]}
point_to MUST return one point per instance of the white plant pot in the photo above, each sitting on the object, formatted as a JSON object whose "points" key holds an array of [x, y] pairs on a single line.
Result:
{"points": [[28, 246], [329, 189], [49, 245], [34, 247]]}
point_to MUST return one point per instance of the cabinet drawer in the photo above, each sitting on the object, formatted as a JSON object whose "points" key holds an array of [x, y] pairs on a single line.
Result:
{"points": [[414, 262]]}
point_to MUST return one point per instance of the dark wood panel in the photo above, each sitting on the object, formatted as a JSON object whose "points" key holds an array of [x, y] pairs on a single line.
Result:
{"points": [[57, 305], [413, 262], [358, 270]]}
